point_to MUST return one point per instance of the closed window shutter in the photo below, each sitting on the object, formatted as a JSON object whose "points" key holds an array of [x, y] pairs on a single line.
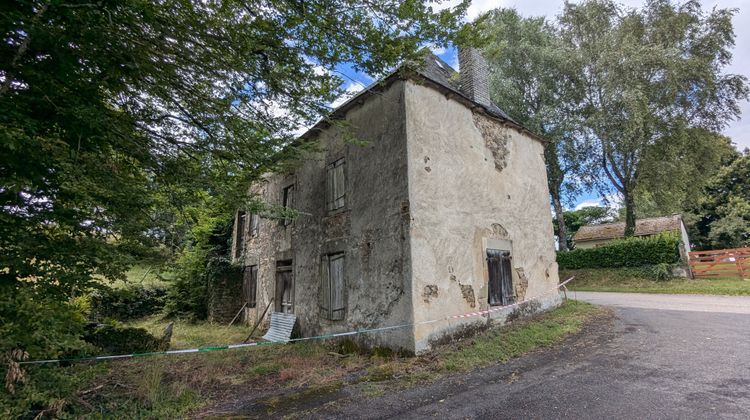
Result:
{"points": [[325, 287], [254, 224], [251, 285], [337, 286], [239, 234], [340, 185], [329, 188]]}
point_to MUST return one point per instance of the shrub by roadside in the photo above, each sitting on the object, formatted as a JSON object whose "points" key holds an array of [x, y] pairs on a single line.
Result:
{"points": [[628, 252]]}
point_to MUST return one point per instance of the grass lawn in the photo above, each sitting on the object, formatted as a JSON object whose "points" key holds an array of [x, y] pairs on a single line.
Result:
{"points": [[624, 280], [280, 376]]}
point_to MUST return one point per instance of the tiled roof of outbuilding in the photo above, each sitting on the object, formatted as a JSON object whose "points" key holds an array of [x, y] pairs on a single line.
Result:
{"points": [[643, 227]]}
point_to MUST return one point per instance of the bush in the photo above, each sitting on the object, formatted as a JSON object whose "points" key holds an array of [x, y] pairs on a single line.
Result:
{"points": [[114, 338], [36, 326], [629, 252], [126, 303]]}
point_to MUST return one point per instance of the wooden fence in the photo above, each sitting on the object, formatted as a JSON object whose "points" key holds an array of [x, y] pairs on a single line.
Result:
{"points": [[720, 263]]}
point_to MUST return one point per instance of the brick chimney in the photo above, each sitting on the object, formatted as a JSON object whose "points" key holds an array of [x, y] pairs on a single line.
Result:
{"points": [[475, 75]]}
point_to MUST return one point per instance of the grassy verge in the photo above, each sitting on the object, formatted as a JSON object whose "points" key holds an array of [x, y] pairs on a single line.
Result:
{"points": [[624, 280], [286, 377]]}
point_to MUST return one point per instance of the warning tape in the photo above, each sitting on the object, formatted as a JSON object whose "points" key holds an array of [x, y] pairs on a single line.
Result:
{"points": [[267, 343]]}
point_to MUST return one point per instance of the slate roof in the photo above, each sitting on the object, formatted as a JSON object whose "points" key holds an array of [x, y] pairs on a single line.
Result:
{"points": [[439, 75], [643, 227]]}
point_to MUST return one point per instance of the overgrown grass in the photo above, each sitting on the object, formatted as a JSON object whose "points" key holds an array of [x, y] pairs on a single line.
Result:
{"points": [[624, 280], [284, 376], [145, 274], [188, 335]]}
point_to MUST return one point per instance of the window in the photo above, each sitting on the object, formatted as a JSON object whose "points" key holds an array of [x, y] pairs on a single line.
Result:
{"points": [[254, 225], [250, 285], [239, 234], [336, 190], [332, 290], [286, 202], [500, 277]]}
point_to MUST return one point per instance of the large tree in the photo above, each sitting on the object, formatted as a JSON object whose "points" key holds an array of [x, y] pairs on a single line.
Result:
{"points": [[648, 75], [534, 80], [722, 215], [103, 104]]}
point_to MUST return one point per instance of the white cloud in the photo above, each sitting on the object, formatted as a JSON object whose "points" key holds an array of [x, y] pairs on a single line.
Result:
{"points": [[352, 88], [588, 203]]}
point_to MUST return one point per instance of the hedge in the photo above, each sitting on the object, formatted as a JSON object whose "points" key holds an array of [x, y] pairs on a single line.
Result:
{"points": [[126, 303], [629, 252]]}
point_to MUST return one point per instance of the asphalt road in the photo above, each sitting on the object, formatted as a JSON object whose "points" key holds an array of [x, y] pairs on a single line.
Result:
{"points": [[645, 362]]}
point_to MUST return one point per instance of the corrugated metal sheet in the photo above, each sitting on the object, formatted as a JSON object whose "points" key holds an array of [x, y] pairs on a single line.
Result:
{"points": [[281, 327]]}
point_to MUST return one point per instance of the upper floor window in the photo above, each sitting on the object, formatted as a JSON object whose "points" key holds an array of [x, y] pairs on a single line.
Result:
{"points": [[287, 201], [239, 233], [336, 185]]}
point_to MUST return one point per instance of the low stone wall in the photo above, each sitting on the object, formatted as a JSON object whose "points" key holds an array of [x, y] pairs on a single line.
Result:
{"points": [[224, 297]]}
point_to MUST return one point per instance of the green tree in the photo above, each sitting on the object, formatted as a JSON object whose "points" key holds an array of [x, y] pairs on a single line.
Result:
{"points": [[676, 183], [722, 217], [591, 215], [650, 74], [534, 79], [113, 112]]}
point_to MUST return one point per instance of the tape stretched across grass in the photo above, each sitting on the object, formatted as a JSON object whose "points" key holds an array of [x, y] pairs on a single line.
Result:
{"points": [[266, 343]]}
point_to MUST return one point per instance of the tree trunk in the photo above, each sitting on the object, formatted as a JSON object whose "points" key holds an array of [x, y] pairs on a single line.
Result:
{"points": [[562, 230], [629, 212], [555, 178]]}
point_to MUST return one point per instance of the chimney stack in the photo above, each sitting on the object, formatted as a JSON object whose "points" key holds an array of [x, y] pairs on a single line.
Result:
{"points": [[475, 75]]}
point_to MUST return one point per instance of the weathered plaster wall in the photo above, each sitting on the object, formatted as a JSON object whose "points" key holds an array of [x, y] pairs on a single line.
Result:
{"points": [[473, 184], [371, 229]]}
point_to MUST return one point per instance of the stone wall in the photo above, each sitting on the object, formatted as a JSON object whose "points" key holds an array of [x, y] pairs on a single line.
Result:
{"points": [[371, 229], [473, 184], [224, 297]]}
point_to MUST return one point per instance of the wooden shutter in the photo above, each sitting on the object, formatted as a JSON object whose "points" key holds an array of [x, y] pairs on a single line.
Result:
{"points": [[251, 285], [239, 234], [336, 274], [254, 224], [332, 288], [335, 185], [325, 287], [500, 277]]}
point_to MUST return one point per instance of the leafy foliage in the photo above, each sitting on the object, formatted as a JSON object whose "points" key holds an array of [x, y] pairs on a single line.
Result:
{"points": [[126, 303], [115, 113], [590, 215], [113, 338], [650, 75], [722, 217], [628, 252]]}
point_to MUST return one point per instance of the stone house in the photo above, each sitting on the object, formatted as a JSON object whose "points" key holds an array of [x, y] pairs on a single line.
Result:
{"points": [[440, 208]]}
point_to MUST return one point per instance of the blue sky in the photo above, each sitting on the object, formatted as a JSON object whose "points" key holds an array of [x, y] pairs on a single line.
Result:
{"points": [[738, 131]]}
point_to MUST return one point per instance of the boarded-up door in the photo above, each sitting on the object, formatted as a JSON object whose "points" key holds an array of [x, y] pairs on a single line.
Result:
{"points": [[284, 287], [500, 277]]}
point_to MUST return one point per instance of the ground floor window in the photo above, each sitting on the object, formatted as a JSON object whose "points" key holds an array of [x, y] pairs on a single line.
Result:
{"points": [[333, 286], [500, 277]]}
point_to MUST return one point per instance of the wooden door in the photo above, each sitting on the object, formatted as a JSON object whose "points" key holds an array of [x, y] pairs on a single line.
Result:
{"points": [[284, 288]]}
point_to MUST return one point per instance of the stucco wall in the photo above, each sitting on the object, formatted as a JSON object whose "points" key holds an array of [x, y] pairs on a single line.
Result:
{"points": [[473, 184], [371, 230]]}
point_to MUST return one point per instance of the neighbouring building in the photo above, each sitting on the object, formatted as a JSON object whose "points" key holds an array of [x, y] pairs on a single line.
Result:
{"points": [[591, 236], [440, 208]]}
